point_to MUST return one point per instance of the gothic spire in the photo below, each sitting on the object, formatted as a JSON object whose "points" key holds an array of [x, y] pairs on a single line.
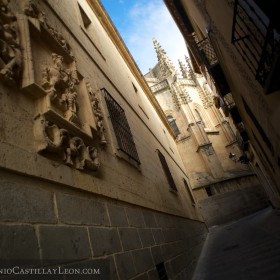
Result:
{"points": [[189, 69], [166, 65], [184, 70]]}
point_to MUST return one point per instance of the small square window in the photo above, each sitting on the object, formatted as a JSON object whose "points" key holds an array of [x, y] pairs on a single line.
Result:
{"points": [[85, 18]]}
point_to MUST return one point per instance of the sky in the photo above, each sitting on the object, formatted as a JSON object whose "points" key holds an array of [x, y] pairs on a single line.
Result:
{"points": [[138, 21]]}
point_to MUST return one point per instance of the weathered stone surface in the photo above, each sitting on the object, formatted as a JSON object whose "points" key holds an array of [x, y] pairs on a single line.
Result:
{"points": [[125, 265], [22, 203], [104, 241], [18, 242], [80, 210], [135, 217], [158, 236], [149, 219], [153, 274], [97, 269], [62, 243], [157, 254], [129, 238], [143, 260], [143, 276], [146, 237], [117, 215]]}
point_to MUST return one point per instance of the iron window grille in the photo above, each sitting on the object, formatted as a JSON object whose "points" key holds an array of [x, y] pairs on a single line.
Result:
{"points": [[256, 39], [167, 171], [121, 127], [173, 125], [208, 52]]}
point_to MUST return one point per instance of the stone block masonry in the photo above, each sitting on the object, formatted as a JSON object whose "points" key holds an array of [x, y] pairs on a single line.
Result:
{"points": [[72, 229]]}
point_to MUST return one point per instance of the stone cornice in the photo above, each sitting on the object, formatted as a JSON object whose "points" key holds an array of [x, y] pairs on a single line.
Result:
{"points": [[111, 30]]}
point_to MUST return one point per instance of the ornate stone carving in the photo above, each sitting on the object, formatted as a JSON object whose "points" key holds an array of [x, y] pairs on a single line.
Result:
{"points": [[97, 113], [10, 50], [208, 150], [31, 10], [69, 149], [59, 83]]}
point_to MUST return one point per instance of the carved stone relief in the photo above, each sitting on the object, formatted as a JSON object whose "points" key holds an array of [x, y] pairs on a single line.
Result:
{"points": [[63, 126], [94, 101], [60, 84], [207, 149], [10, 50], [31, 10], [67, 148]]}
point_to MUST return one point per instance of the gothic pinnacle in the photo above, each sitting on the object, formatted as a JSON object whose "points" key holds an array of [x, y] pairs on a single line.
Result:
{"points": [[166, 65]]}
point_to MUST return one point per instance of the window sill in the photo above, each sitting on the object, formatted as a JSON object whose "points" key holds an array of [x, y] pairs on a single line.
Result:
{"points": [[121, 155]]}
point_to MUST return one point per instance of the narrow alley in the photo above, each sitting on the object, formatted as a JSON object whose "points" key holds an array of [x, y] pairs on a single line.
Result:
{"points": [[247, 249]]}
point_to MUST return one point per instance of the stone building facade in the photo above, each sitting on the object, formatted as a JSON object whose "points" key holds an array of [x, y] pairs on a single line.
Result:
{"points": [[237, 50], [90, 173], [205, 137]]}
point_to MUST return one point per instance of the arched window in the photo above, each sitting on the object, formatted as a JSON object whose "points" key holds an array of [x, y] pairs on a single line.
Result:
{"points": [[199, 118], [173, 125]]}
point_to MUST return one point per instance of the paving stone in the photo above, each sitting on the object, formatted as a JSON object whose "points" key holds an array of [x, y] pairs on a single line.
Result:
{"points": [[239, 250]]}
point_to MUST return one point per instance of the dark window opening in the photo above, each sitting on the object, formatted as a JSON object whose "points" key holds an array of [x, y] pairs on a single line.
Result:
{"points": [[167, 171], [135, 88], [208, 191], [121, 127], [173, 125], [161, 271], [85, 18], [255, 34], [189, 191]]}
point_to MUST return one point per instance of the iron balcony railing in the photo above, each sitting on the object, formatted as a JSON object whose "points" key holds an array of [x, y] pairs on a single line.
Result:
{"points": [[256, 40], [208, 52], [210, 60]]}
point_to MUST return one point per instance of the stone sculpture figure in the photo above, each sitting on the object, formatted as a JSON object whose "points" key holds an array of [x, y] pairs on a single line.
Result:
{"points": [[10, 50], [71, 150], [59, 83], [31, 10], [97, 113], [54, 77]]}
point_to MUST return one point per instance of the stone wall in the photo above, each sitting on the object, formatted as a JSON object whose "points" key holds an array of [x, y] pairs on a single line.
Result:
{"points": [[71, 228], [231, 205]]}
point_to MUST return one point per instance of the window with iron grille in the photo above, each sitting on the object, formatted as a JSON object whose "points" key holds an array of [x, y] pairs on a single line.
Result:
{"points": [[121, 127], [167, 171], [173, 124], [255, 34]]}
